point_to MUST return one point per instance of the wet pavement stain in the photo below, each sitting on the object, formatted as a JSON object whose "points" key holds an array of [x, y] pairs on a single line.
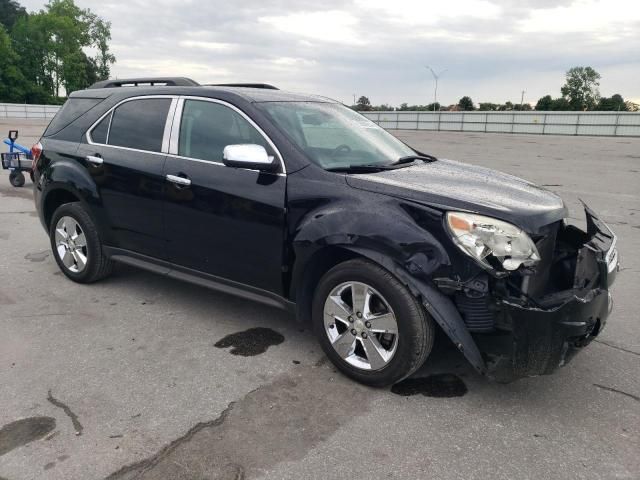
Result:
{"points": [[251, 342], [37, 256], [74, 418], [26, 430], [441, 385]]}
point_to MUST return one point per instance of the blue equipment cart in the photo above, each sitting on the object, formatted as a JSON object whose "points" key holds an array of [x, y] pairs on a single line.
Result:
{"points": [[17, 160]]}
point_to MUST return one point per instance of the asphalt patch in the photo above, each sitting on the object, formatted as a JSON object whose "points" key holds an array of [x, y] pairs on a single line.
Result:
{"points": [[26, 430], [441, 385], [250, 342], [239, 444]]}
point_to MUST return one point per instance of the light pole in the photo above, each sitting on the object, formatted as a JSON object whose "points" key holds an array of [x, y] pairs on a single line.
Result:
{"points": [[522, 99], [436, 77]]}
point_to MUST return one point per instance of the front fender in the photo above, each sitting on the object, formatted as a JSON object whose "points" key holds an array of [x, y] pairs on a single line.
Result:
{"points": [[399, 238]]}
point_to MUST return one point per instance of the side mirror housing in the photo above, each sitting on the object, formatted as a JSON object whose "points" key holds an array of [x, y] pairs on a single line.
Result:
{"points": [[253, 157]]}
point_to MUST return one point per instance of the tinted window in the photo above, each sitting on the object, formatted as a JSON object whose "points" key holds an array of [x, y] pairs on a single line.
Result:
{"points": [[70, 111], [207, 128], [140, 124], [99, 133]]}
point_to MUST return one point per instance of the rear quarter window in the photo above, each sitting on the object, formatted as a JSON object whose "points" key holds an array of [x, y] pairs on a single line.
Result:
{"points": [[70, 111]]}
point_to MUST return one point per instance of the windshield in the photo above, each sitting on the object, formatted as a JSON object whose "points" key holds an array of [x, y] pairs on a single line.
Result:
{"points": [[334, 136]]}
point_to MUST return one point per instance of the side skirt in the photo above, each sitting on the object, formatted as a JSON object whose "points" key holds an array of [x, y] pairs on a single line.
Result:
{"points": [[212, 282]]}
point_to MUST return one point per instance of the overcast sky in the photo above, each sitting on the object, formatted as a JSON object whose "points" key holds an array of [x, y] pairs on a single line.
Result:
{"points": [[491, 49]]}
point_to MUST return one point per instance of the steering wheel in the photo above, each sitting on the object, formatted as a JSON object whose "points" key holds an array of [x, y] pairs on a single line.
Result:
{"points": [[341, 149]]}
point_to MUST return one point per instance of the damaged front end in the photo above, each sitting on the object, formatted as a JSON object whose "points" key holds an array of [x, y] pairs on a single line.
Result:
{"points": [[532, 320]]}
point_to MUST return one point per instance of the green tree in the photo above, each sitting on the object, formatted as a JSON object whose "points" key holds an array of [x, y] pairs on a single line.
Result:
{"points": [[466, 103], [560, 104], [488, 106], [616, 103], [12, 83], [363, 104], [545, 103], [10, 11], [100, 36], [581, 88], [52, 45], [632, 107]]}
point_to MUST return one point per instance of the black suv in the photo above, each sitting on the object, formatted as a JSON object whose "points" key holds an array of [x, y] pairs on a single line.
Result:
{"points": [[299, 202]]}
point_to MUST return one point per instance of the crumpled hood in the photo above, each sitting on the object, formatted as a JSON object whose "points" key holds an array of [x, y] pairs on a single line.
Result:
{"points": [[450, 185]]}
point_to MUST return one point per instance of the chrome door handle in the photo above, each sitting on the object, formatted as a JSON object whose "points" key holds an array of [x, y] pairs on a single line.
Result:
{"points": [[94, 160], [182, 181]]}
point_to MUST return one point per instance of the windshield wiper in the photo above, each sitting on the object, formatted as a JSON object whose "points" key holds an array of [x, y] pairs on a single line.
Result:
{"points": [[411, 158], [360, 168]]}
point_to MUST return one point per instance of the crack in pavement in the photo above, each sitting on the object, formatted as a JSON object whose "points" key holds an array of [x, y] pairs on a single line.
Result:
{"points": [[615, 390], [610, 345], [278, 422], [74, 418]]}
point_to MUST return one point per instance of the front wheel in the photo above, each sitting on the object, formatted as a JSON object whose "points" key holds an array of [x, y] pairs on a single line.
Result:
{"points": [[370, 326], [76, 244]]}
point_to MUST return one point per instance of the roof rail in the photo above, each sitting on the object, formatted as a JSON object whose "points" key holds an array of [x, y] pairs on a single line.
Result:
{"points": [[147, 82], [266, 86]]}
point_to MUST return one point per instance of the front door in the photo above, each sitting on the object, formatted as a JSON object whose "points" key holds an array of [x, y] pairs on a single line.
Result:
{"points": [[223, 221]]}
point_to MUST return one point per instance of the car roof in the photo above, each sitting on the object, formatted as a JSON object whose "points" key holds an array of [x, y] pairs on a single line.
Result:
{"points": [[253, 95]]}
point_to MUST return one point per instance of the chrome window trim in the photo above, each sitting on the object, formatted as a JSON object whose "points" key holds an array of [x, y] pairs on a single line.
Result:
{"points": [[112, 109], [175, 131], [167, 126]]}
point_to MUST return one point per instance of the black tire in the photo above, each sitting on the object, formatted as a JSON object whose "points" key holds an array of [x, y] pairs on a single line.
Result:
{"points": [[416, 329], [98, 265], [16, 179]]}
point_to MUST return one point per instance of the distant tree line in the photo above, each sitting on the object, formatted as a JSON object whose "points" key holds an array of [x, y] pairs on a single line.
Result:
{"points": [[44, 55], [579, 93]]}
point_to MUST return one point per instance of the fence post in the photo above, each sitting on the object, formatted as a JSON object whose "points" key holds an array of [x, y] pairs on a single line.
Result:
{"points": [[544, 123], [577, 122], [439, 116], [615, 128]]}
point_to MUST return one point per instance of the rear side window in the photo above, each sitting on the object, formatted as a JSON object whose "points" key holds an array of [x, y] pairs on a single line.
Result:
{"points": [[100, 131], [70, 111], [140, 124]]}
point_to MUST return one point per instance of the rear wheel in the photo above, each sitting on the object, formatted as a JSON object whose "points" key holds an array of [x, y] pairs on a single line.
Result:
{"points": [[370, 325], [76, 244]]}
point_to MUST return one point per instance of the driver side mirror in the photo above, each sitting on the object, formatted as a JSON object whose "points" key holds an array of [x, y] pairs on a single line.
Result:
{"points": [[253, 157]]}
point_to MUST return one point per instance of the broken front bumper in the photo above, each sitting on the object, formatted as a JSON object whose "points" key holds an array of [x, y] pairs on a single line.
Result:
{"points": [[537, 337]]}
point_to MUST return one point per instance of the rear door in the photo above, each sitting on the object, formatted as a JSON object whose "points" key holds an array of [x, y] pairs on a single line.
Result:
{"points": [[223, 221], [124, 154]]}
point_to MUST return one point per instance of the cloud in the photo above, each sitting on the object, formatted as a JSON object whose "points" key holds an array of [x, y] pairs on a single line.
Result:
{"points": [[334, 26], [492, 49]]}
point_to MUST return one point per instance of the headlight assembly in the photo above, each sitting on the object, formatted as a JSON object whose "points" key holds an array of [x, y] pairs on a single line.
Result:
{"points": [[484, 237]]}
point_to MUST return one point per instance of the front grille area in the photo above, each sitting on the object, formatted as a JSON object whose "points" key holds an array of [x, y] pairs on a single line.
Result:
{"points": [[475, 312]]}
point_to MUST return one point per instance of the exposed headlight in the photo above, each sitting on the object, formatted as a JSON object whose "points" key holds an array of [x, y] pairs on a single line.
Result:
{"points": [[482, 237]]}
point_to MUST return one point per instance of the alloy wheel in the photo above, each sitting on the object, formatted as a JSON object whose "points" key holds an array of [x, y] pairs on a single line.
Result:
{"points": [[361, 326], [71, 244]]}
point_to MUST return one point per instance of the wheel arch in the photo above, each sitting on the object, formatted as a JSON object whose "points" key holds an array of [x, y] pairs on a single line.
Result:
{"points": [[54, 198]]}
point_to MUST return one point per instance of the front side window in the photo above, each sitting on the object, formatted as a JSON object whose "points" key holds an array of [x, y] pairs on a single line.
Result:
{"points": [[207, 127], [334, 136], [140, 124]]}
